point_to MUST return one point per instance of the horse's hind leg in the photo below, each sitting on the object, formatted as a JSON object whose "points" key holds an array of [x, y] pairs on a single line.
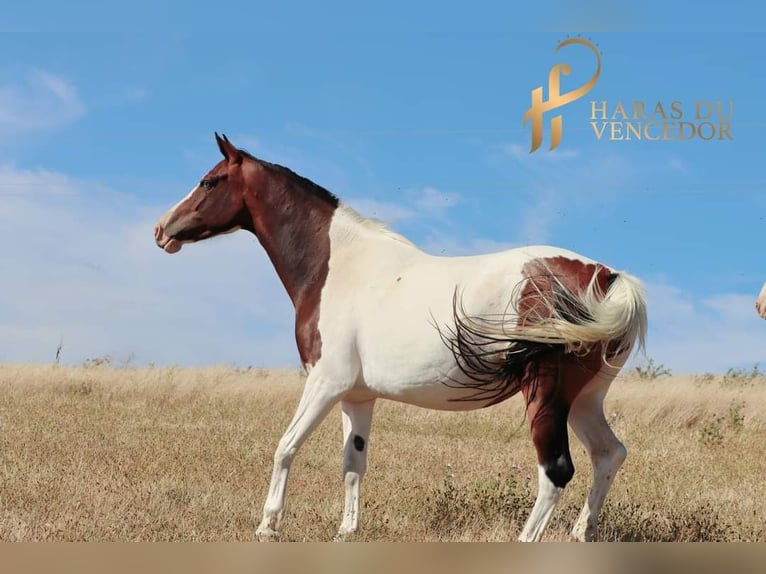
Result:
{"points": [[357, 419], [319, 396], [606, 452], [547, 412]]}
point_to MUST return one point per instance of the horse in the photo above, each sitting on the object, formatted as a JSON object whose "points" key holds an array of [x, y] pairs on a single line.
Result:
{"points": [[760, 302], [378, 318]]}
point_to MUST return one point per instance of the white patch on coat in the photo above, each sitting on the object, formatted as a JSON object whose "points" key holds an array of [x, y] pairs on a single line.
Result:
{"points": [[382, 299]]}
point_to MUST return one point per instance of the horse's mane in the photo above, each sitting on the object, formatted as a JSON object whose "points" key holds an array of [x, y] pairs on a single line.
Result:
{"points": [[305, 183], [328, 196], [374, 224]]}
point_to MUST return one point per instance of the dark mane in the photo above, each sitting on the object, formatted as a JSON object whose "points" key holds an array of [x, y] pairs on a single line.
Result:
{"points": [[305, 183]]}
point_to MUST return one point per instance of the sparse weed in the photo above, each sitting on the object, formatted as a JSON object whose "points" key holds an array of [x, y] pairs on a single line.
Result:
{"points": [[94, 362], [711, 433], [82, 388], [704, 379], [480, 503], [59, 348], [736, 415], [649, 370], [636, 521], [741, 377]]}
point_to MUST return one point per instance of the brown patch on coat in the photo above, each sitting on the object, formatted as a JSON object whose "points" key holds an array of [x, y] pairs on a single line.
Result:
{"points": [[544, 275], [289, 214], [556, 379], [291, 218]]}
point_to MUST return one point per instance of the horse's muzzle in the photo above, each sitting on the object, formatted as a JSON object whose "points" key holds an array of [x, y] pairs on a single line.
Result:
{"points": [[169, 244]]}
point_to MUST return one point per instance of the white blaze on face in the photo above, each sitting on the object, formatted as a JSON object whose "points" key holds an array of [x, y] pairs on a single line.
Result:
{"points": [[168, 244], [171, 245], [172, 210]]}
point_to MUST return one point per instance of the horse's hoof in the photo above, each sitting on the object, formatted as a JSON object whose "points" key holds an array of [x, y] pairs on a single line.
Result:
{"points": [[344, 536], [584, 535], [267, 535]]}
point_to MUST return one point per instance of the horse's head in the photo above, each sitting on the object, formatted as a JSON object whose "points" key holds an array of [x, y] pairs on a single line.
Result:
{"points": [[215, 206]]}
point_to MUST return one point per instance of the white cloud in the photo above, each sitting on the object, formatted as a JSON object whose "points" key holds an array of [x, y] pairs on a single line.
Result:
{"points": [[14, 181], [692, 334], [457, 245], [576, 185], [388, 212], [430, 198], [320, 168], [44, 100], [424, 204], [536, 221], [85, 268]]}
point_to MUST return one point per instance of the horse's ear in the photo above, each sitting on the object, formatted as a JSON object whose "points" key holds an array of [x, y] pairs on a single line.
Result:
{"points": [[220, 142], [227, 149]]}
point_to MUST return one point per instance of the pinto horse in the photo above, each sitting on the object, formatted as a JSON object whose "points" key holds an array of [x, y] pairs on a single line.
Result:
{"points": [[376, 317]]}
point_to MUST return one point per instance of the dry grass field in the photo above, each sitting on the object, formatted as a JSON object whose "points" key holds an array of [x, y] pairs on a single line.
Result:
{"points": [[104, 454]]}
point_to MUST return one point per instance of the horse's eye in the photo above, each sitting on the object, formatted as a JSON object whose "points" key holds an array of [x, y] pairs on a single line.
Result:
{"points": [[207, 184]]}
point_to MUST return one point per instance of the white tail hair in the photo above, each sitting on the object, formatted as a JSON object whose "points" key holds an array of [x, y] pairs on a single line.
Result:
{"points": [[615, 320]]}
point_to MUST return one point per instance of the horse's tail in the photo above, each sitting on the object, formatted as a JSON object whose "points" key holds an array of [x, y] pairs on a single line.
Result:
{"points": [[615, 320], [608, 315]]}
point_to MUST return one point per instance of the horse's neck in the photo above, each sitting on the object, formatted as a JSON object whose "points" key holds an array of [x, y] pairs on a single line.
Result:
{"points": [[299, 226], [293, 225]]}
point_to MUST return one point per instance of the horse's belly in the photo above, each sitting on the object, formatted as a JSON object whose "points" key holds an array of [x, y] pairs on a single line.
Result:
{"points": [[436, 396], [405, 351], [437, 383]]}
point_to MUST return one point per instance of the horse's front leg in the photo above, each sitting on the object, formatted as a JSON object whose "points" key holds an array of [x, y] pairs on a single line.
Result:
{"points": [[318, 398], [357, 419]]}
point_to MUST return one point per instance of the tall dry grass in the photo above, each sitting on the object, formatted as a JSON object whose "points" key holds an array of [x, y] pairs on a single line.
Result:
{"points": [[99, 453]]}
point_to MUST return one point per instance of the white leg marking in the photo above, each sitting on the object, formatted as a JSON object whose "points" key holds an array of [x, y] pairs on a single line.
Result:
{"points": [[607, 453], [357, 419], [548, 495], [317, 400]]}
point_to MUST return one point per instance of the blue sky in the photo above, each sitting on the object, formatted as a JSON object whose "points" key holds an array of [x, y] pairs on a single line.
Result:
{"points": [[412, 114]]}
